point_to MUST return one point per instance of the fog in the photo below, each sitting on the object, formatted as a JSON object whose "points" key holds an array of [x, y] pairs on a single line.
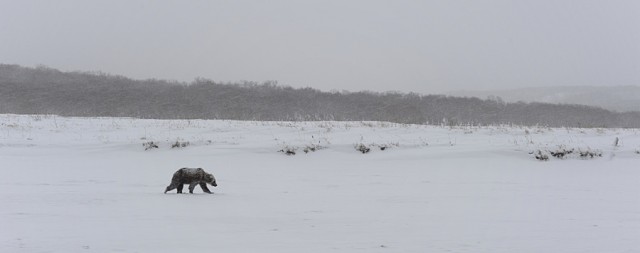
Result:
{"points": [[420, 46]]}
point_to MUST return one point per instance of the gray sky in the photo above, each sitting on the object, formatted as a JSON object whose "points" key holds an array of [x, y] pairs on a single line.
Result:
{"points": [[423, 46]]}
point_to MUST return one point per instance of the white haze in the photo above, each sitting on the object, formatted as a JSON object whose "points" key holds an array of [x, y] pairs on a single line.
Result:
{"points": [[421, 46]]}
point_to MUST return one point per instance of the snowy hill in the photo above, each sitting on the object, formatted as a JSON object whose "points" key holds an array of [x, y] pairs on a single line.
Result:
{"points": [[49, 91], [89, 185]]}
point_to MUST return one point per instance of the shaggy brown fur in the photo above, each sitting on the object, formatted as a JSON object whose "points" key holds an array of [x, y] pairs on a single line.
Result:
{"points": [[192, 177]]}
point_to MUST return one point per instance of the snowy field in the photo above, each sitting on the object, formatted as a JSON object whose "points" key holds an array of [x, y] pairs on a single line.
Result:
{"points": [[88, 185]]}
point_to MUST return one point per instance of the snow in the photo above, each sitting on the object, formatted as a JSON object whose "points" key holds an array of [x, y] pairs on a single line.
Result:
{"points": [[88, 185]]}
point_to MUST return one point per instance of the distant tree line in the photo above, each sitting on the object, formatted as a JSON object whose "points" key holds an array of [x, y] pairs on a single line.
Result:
{"points": [[44, 90]]}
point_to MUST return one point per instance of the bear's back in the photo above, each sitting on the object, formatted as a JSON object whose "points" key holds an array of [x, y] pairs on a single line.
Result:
{"points": [[188, 175]]}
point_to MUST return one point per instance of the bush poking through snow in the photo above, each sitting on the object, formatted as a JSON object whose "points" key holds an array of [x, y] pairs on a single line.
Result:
{"points": [[287, 150], [384, 147], [149, 145], [561, 152], [312, 148], [541, 156], [291, 150], [362, 148], [180, 144], [616, 142], [590, 154]]}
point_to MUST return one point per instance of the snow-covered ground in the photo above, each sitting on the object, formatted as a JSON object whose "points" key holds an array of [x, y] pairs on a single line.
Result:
{"points": [[88, 185]]}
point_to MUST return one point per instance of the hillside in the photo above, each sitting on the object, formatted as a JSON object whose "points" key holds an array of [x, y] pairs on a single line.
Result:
{"points": [[48, 91], [618, 98]]}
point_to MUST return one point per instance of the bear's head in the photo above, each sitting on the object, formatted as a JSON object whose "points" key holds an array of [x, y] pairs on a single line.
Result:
{"points": [[210, 179]]}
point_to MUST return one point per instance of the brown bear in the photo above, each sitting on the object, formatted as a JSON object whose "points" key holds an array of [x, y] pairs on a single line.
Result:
{"points": [[193, 177]]}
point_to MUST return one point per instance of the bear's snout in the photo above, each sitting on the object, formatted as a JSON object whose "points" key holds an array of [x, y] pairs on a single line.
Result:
{"points": [[214, 184]]}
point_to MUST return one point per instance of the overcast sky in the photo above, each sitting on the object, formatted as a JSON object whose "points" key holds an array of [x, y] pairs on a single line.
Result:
{"points": [[422, 46]]}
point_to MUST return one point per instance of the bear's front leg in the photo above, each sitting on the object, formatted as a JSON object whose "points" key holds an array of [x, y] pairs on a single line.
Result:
{"points": [[180, 188], [192, 186], [205, 188]]}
